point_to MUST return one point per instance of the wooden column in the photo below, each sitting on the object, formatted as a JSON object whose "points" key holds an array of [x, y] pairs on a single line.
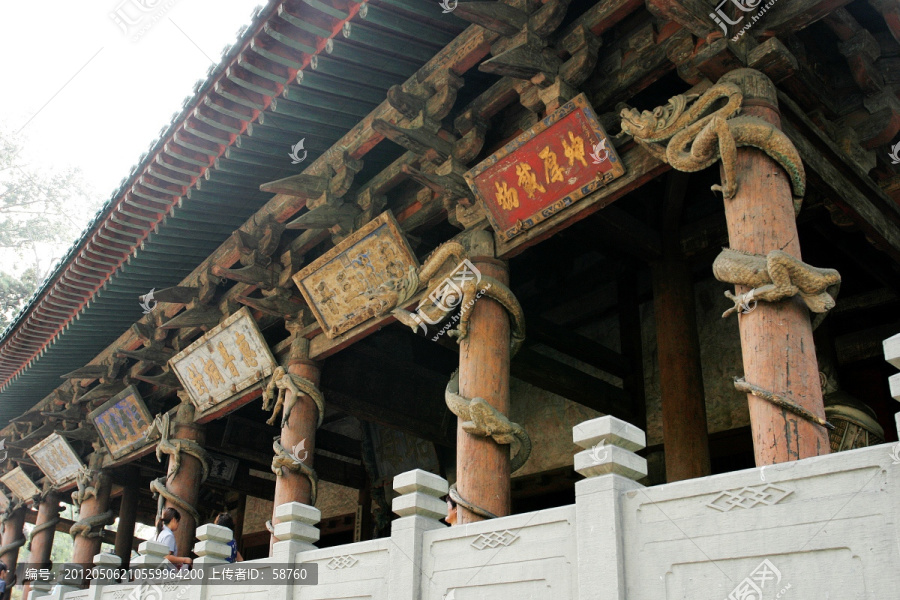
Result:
{"points": [[41, 543], [12, 538], [685, 428], [483, 466], [301, 425], [630, 342], [684, 422], [127, 518], [776, 338], [186, 483], [84, 548], [238, 516]]}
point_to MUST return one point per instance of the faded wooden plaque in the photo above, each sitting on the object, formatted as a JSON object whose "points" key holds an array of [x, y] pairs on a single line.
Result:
{"points": [[546, 169], [55, 458], [222, 468], [360, 278], [123, 422], [20, 484], [225, 361]]}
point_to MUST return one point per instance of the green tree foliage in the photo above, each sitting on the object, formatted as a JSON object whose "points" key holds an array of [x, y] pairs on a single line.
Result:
{"points": [[42, 212]]}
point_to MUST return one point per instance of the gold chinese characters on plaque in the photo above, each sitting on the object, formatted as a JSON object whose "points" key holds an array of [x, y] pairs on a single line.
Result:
{"points": [[55, 458], [20, 484], [227, 360], [364, 276]]}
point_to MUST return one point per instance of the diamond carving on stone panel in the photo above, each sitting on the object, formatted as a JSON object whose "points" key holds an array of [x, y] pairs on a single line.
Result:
{"points": [[494, 539], [344, 561], [749, 497]]}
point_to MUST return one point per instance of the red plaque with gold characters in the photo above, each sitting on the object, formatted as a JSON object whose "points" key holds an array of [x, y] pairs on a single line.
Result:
{"points": [[551, 166]]}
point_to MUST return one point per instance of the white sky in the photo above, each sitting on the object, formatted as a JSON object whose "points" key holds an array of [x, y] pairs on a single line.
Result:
{"points": [[110, 112]]}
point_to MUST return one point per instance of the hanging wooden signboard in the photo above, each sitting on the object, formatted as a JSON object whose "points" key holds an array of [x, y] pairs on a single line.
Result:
{"points": [[227, 360], [222, 468], [360, 278], [55, 458], [543, 171], [20, 484], [122, 422]]}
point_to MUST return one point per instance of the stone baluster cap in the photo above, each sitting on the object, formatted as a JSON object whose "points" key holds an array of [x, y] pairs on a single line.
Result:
{"points": [[297, 523], [609, 445], [420, 494], [213, 545]]}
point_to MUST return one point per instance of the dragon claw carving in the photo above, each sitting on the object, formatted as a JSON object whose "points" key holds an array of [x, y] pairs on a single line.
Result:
{"points": [[282, 381], [776, 276], [482, 419]]}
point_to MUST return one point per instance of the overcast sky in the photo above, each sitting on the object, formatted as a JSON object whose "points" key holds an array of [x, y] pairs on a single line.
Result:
{"points": [[83, 94]]}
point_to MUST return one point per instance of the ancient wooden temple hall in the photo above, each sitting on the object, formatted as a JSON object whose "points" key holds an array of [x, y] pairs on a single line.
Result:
{"points": [[619, 271]]}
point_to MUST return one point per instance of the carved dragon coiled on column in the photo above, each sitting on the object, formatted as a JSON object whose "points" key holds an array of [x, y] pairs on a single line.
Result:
{"points": [[468, 290], [174, 448], [6, 516], [297, 385], [92, 527], [776, 276], [479, 418], [699, 136]]}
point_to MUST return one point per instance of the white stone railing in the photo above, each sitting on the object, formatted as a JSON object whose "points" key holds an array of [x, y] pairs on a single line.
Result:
{"points": [[824, 527]]}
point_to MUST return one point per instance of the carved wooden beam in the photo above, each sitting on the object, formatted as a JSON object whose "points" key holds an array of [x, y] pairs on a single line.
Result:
{"points": [[693, 15], [494, 16], [787, 17]]}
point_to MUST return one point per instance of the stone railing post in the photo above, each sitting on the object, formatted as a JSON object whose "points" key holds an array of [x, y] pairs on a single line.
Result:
{"points": [[420, 508], [295, 532], [59, 591], [892, 355], [152, 556], [40, 589], [103, 562], [612, 468], [213, 548]]}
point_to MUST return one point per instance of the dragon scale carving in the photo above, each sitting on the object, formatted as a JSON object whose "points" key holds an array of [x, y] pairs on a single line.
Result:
{"points": [[699, 134], [774, 277], [284, 459], [174, 448], [482, 419], [435, 273], [283, 381], [297, 385], [92, 527]]}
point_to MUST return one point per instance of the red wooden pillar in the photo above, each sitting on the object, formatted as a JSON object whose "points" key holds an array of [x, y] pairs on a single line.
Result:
{"points": [[41, 543], [127, 518], [186, 483], [294, 486], [685, 434], [13, 538], [482, 465], [85, 548], [776, 338]]}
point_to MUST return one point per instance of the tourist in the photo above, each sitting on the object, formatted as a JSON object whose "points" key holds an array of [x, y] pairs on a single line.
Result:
{"points": [[225, 520], [165, 534]]}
